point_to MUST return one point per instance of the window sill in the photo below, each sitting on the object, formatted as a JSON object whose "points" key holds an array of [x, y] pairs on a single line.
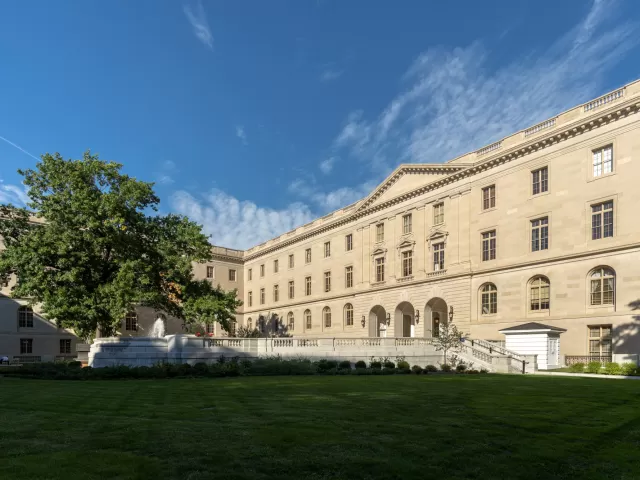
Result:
{"points": [[488, 210], [541, 194], [408, 278], [600, 177], [378, 284]]}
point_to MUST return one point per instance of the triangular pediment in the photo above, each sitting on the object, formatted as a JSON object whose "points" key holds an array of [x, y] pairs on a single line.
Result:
{"points": [[379, 251], [407, 178], [406, 244], [437, 233]]}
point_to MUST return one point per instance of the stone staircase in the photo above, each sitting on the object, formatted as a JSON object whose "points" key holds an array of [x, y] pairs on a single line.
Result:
{"points": [[496, 358]]}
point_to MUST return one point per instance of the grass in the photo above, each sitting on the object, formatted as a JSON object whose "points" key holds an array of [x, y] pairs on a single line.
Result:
{"points": [[392, 427]]}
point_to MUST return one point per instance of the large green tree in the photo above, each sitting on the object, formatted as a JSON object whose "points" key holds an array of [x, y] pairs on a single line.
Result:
{"points": [[90, 247]]}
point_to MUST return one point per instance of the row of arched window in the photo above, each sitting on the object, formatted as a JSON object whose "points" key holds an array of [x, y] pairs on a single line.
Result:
{"points": [[601, 292], [306, 316]]}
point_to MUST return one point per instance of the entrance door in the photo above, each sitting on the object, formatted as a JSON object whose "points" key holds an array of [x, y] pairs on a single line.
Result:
{"points": [[435, 320], [407, 327], [552, 352]]}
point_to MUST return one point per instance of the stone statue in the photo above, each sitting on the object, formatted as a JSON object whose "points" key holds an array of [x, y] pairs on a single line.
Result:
{"points": [[158, 329]]}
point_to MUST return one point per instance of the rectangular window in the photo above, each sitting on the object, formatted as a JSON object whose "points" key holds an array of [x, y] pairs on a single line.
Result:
{"points": [[407, 263], [25, 317], [602, 220], [276, 293], [291, 289], [262, 296], [600, 341], [307, 286], [438, 256], [232, 275], [406, 224], [209, 272], [250, 299], [379, 232], [250, 274], [275, 266], [488, 197], [603, 161], [291, 261], [540, 180], [262, 270], [380, 269], [438, 213], [131, 322], [26, 345], [348, 242], [327, 281], [307, 255], [65, 346], [327, 249], [489, 245], [307, 319], [540, 234], [348, 277], [210, 328]]}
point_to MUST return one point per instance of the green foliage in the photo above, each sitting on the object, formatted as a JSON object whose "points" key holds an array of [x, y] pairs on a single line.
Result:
{"points": [[375, 365], [245, 332], [612, 368], [576, 368], [324, 366], [389, 364], [361, 364], [388, 371], [344, 365], [472, 371], [445, 367], [628, 368], [461, 368], [430, 368], [594, 367], [403, 364], [484, 370], [449, 339], [96, 249], [417, 369]]}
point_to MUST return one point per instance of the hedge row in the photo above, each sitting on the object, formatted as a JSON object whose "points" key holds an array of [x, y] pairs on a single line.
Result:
{"points": [[234, 368], [609, 368]]}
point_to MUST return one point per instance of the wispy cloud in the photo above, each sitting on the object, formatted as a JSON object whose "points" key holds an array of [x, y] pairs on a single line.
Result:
{"points": [[164, 175], [15, 145], [13, 194], [324, 201], [238, 224], [241, 134], [452, 103], [326, 166], [329, 74], [198, 19]]}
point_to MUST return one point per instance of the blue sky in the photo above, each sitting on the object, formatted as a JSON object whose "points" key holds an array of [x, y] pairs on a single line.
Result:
{"points": [[254, 117]]}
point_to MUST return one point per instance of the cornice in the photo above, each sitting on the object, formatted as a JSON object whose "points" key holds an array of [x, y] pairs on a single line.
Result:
{"points": [[463, 171]]}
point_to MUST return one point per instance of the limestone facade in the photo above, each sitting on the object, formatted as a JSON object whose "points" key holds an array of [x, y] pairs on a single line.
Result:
{"points": [[540, 226]]}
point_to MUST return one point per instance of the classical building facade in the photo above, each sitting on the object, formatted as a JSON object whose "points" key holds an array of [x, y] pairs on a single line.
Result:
{"points": [[538, 228]]}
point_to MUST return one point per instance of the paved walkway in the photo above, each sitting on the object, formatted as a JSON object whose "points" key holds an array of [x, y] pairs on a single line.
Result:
{"points": [[587, 375]]}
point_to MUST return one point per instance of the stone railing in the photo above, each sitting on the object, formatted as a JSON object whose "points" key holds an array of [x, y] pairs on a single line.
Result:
{"points": [[608, 98], [27, 359], [489, 148], [437, 273], [573, 359], [491, 347], [539, 127], [404, 279]]}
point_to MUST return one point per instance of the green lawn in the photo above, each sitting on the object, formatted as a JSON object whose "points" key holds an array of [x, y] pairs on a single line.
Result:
{"points": [[383, 427]]}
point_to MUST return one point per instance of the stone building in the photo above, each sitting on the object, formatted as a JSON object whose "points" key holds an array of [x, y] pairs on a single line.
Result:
{"points": [[537, 228]]}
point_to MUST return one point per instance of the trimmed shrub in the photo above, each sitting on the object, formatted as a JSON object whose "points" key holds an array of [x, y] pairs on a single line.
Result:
{"points": [[388, 370], [431, 368], [445, 367], [361, 364], [403, 371], [594, 367], [74, 364], [402, 364], [461, 368], [345, 365], [200, 368], [376, 365], [417, 369], [628, 368], [389, 364], [471, 371], [484, 370], [576, 368], [327, 365], [612, 368]]}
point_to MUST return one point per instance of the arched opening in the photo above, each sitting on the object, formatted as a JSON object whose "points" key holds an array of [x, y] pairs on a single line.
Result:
{"points": [[404, 320], [378, 322], [435, 315]]}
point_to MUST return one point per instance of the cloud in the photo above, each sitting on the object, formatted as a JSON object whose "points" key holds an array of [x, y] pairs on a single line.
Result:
{"points": [[13, 194], [327, 165], [241, 134], [451, 102], [238, 224], [165, 174], [196, 15], [329, 74], [326, 201], [19, 148]]}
